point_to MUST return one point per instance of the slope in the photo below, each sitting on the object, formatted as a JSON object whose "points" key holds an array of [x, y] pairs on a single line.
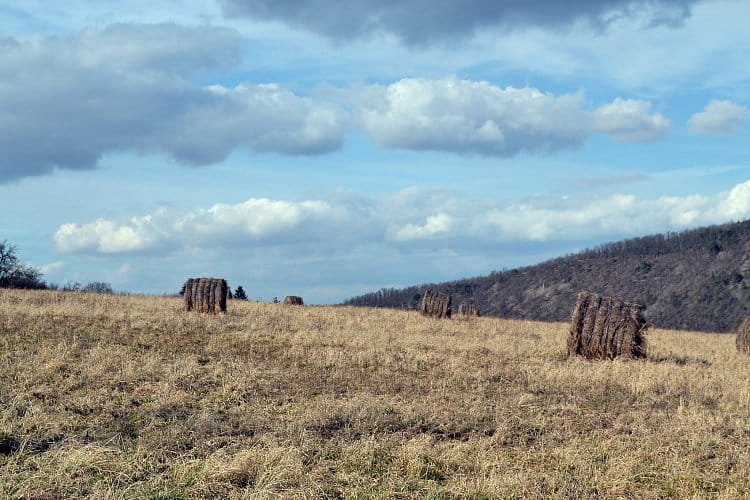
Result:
{"points": [[697, 280]]}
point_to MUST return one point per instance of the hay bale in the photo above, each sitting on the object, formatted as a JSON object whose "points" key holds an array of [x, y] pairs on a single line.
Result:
{"points": [[435, 305], [206, 295], [293, 300], [467, 310], [743, 337], [606, 328]]}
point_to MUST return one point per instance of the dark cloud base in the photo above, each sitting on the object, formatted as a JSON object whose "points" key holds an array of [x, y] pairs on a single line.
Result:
{"points": [[421, 21], [67, 101]]}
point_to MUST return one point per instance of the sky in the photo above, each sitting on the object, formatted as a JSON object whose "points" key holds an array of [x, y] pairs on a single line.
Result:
{"points": [[325, 149]]}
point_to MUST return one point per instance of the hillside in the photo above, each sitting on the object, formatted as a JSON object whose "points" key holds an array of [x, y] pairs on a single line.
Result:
{"points": [[696, 280], [107, 396]]}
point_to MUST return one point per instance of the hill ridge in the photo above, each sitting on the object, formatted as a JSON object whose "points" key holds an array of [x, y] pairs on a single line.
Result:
{"points": [[697, 279]]}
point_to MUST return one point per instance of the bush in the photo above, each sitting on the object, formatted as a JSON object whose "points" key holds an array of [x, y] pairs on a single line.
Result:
{"points": [[98, 287]]}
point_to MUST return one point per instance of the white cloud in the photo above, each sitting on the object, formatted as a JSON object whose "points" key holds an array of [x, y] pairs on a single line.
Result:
{"points": [[478, 117], [629, 120], [411, 218], [719, 117], [434, 226], [105, 236], [255, 221], [618, 215], [735, 205]]}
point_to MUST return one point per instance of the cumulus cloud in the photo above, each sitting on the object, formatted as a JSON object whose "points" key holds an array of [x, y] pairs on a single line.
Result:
{"points": [[257, 221], [468, 116], [411, 218], [105, 236], [630, 120], [419, 21], [435, 225], [66, 101], [719, 117]]}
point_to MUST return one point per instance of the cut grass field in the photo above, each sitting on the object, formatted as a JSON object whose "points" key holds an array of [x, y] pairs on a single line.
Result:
{"points": [[129, 397]]}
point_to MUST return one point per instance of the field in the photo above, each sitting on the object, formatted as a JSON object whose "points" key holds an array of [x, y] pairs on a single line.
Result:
{"points": [[129, 397]]}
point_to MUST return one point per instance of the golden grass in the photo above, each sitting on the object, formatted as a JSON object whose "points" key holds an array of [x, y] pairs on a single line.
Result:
{"points": [[129, 397]]}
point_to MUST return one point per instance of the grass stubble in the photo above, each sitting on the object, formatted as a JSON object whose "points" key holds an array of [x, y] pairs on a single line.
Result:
{"points": [[129, 397]]}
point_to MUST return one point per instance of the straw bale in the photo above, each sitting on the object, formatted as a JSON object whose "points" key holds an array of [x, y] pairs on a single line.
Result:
{"points": [[467, 310], [205, 295], [606, 328], [435, 305]]}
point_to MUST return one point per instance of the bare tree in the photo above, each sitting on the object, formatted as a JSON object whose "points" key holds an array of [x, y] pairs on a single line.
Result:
{"points": [[13, 274]]}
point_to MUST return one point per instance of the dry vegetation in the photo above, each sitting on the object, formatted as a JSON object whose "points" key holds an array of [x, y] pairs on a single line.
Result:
{"points": [[127, 397]]}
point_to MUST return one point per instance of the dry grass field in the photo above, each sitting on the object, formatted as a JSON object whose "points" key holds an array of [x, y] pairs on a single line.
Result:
{"points": [[129, 397]]}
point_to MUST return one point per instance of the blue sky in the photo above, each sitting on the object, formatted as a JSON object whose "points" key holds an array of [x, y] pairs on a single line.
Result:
{"points": [[303, 148]]}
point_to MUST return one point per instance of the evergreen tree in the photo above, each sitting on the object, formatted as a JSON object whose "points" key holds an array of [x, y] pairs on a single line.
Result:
{"points": [[239, 293]]}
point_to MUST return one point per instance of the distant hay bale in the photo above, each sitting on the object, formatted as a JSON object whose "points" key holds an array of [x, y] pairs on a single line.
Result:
{"points": [[435, 305], [206, 295], [467, 310], [743, 337], [606, 328], [293, 300]]}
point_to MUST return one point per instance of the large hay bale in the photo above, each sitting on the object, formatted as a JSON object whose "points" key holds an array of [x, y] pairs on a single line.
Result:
{"points": [[293, 300], [467, 310], [435, 305], [606, 328], [743, 337], [206, 295]]}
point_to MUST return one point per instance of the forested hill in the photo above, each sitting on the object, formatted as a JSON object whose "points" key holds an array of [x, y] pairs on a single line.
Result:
{"points": [[692, 280]]}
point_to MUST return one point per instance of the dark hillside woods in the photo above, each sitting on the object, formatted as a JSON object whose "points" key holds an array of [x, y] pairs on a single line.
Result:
{"points": [[694, 280]]}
